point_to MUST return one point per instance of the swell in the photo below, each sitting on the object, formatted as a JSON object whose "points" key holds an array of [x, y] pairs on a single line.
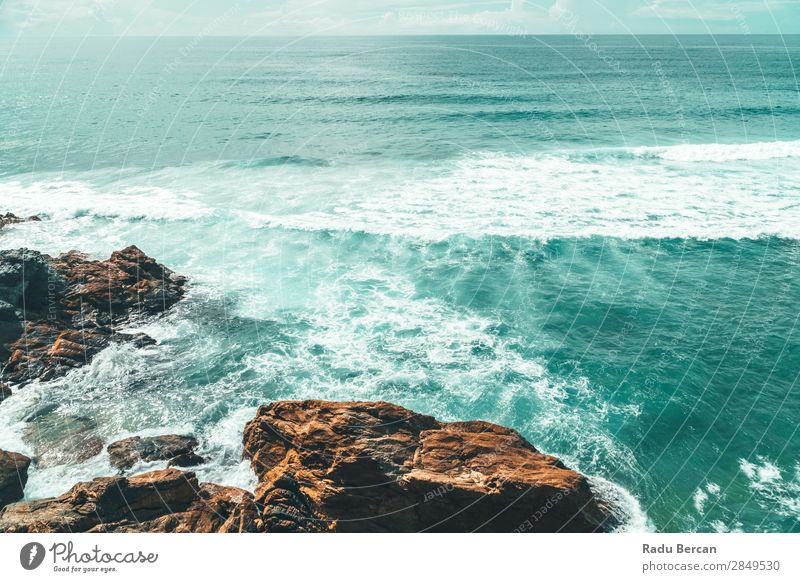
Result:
{"points": [[703, 191]]}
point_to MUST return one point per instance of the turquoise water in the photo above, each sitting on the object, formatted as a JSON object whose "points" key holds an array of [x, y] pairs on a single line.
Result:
{"points": [[598, 248]]}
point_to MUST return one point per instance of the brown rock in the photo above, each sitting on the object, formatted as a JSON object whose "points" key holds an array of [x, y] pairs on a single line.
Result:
{"points": [[378, 467], [9, 218], [71, 304], [186, 460], [127, 284], [160, 501], [13, 476], [177, 449]]}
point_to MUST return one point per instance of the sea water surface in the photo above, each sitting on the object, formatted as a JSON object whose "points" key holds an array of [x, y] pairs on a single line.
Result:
{"points": [[595, 245]]}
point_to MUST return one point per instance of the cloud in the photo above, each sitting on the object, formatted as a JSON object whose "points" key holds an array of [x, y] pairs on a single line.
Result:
{"points": [[302, 17], [709, 10]]}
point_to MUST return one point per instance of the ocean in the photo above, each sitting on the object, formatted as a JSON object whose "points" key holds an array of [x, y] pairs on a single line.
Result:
{"points": [[595, 242]]}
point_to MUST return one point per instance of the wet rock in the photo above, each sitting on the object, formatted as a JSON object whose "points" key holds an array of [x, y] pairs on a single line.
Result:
{"points": [[160, 501], [9, 218], [56, 314], [5, 391], [177, 449], [285, 508], [186, 460], [129, 283], [13, 476], [61, 440], [374, 466]]}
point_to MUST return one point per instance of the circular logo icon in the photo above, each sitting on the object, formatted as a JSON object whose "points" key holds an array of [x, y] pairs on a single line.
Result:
{"points": [[31, 555]]}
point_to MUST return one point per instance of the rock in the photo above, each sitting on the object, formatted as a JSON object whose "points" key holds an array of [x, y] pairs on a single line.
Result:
{"points": [[129, 283], [13, 476], [60, 440], [177, 449], [9, 218], [186, 460], [56, 314], [378, 467], [335, 466], [160, 501], [25, 281], [5, 391]]}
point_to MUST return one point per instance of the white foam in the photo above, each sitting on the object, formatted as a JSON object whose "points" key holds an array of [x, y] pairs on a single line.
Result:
{"points": [[775, 490], [718, 152], [693, 190], [720, 526], [371, 325], [760, 475], [221, 443], [623, 505], [60, 199], [548, 196], [700, 497]]}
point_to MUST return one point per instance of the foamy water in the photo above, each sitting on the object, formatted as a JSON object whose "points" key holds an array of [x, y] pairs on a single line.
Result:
{"points": [[702, 191]]}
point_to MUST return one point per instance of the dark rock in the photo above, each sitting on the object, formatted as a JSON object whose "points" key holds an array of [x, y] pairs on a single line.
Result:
{"points": [[28, 282], [160, 501], [9, 218], [13, 476], [374, 466], [5, 391], [178, 449], [186, 460]]}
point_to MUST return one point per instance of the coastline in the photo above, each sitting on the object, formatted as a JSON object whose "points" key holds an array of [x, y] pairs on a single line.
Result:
{"points": [[321, 466]]}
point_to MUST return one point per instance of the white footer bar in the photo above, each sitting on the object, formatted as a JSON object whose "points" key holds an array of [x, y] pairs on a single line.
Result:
{"points": [[388, 557]]}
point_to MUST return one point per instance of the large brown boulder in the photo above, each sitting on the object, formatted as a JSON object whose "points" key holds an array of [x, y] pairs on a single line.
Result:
{"points": [[161, 501], [378, 467], [13, 476], [177, 449], [129, 283], [57, 313]]}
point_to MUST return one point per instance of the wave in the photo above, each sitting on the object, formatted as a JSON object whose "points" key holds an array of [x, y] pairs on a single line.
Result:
{"points": [[775, 489], [721, 152], [569, 194], [58, 198], [625, 508], [276, 161], [703, 191]]}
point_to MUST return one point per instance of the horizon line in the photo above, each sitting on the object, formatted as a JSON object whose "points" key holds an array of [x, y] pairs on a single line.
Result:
{"points": [[401, 35]]}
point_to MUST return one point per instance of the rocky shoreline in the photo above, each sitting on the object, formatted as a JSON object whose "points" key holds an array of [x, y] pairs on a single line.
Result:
{"points": [[56, 313], [321, 466], [336, 467]]}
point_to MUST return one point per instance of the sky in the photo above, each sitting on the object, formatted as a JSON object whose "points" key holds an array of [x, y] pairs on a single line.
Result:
{"points": [[20, 18]]}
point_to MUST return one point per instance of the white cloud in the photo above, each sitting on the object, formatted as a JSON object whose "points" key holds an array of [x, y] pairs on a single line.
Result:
{"points": [[708, 10], [301, 17]]}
